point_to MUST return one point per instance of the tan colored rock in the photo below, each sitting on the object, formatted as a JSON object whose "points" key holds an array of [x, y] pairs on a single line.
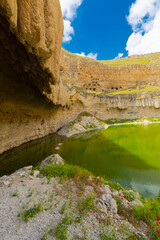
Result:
{"points": [[30, 44], [81, 124], [94, 75], [38, 25]]}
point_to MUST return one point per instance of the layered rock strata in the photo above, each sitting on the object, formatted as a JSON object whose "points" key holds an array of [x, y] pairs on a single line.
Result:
{"points": [[94, 75]]}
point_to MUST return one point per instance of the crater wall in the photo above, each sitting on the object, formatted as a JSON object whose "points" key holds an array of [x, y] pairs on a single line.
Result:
{"points": [[94, 75]]}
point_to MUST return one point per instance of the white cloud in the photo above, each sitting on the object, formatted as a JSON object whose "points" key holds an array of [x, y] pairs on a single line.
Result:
{"points": [[120, 55], [68, 31], [144, 17], [69, 8], [90, 55]]}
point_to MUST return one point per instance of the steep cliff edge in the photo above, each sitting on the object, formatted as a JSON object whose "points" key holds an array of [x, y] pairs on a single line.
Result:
{"points": [[30, 43]]}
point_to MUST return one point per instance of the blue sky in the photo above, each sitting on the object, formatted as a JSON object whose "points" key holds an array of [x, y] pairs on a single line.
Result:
{"points": [[106, 29]]}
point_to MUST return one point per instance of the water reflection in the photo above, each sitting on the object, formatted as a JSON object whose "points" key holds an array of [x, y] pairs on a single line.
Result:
{"points": [[115, 153], [28, 154], [104, 157]]}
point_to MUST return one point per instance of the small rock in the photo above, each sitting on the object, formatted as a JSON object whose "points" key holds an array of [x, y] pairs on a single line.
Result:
{"points": [[30, 177], [142, 236], [28, 168], [22, 173], [36, 172], [56, 148], [54, 159], [4, 181], [59, 144]]}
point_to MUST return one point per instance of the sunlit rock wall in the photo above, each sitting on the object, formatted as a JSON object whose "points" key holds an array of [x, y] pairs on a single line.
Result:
{"points": [[30, 41], [92, 75]]}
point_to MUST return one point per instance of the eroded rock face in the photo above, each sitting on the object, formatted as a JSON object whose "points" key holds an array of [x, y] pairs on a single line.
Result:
{"points": [[31, 38], [81, 124], [31, 94], [94, 75], [107, 203]]}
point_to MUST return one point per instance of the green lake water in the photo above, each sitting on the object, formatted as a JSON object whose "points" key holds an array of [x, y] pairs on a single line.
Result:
{"points": [[129, 154]]}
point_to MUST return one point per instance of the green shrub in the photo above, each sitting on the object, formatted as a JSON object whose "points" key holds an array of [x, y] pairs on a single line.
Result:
{"points": [[15, 194], [88, 203], [30, 213], [68, 171]]}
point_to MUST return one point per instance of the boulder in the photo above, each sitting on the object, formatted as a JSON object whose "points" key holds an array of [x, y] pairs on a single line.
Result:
{"points": [[107, 203], [53, 159], [136, 203]]}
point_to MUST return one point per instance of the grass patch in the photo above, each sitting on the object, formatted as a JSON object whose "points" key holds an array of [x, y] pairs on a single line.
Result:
{"points": [[132, 90], [115, 185], [68, 172], [90, 126], [30, 193], [147, 59], [26, 214], [149, 214], [141, 89], [109, 235], [15, 194], [88, 203], [130, 195], [79, 88], [113, 121], [60, 230], [63, 209]]}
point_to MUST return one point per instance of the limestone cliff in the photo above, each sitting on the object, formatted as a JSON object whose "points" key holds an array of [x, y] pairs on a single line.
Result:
{"points": [[107, 76], [30, 42]]}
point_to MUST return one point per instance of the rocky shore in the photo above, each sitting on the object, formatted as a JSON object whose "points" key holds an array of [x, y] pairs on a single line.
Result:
{"points": [[83, 123], [60, 201]]}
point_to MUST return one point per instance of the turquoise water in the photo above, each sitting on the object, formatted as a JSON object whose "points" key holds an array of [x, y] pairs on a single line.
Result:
{"points": [[129, 154]]}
